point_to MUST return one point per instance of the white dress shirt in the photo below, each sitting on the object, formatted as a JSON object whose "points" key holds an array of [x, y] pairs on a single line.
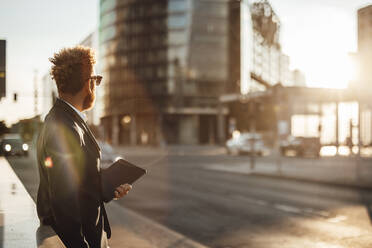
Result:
{"points": [[82, 115]]}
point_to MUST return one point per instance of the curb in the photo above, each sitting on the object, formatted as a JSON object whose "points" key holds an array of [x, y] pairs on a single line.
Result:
{"points": [[130, 229], [155, 234]]}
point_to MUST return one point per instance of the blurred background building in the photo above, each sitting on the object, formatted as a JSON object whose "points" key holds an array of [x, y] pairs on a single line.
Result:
{"points": [[2, 68], [166, 63], [363, 58], [48, 93]]}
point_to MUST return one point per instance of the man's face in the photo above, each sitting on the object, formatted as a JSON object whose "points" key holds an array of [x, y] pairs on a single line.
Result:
{"points": [[90, 98]]}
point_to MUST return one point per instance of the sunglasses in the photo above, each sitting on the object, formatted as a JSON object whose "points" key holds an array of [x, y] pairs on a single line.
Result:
{"points": [[96, 79]]}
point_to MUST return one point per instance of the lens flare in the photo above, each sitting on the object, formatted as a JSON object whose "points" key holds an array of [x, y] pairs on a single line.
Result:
{"points": [[48, 162]]}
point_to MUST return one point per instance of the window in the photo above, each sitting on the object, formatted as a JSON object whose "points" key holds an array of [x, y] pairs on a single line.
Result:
{"points": [[178, 53], [176, 38], [107, 34], [204, 8], [107, 5], [160, 72], [177, 21], [108, 19], [176, 5]]}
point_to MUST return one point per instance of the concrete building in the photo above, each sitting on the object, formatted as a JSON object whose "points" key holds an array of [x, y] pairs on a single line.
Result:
{"points": [[270, 70], [166, 63], [269, 62], [2, 68], [49, 94], [298, 78], [364, 55]]}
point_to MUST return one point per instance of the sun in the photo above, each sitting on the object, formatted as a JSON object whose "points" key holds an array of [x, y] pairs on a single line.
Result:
{"points": [[334, 71]]}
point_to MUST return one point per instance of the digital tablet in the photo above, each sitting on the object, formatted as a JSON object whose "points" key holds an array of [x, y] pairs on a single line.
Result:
{"points": [[120, 172]]}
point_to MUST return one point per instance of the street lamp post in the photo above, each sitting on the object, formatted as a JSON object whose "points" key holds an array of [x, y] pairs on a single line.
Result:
{"points": [[252, 130]]}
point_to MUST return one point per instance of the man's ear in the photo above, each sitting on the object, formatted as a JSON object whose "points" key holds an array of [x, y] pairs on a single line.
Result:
{"points": [[90, 86]]}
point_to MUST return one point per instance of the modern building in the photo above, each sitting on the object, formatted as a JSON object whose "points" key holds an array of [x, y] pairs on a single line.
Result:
{"points": [[165, 63], [2, 68], [48, 94], [270, 71], [364, 55], [93, 115], [298, 78], [270, 63]]}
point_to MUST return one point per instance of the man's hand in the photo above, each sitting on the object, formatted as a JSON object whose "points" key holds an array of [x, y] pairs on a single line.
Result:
{"points": [[122, 190]]}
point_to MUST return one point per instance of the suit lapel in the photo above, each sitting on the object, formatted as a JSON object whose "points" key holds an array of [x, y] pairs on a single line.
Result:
{"points": [[79, 121]]}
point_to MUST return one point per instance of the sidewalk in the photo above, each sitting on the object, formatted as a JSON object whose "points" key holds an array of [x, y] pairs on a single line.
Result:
{"points": [[337, 171], [19, 224]]}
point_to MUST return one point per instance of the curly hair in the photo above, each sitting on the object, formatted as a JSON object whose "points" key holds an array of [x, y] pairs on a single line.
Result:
{"points": [[71, 68]]}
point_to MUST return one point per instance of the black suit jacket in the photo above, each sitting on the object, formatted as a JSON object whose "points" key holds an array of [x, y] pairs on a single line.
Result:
{"points": [[69, 197]]}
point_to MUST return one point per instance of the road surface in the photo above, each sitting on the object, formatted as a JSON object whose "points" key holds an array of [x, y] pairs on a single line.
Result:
{"points": [[221, 209]]}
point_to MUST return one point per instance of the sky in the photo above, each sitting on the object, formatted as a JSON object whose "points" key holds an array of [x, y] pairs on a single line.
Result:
{"points": [[316, 34], [34, 30]]}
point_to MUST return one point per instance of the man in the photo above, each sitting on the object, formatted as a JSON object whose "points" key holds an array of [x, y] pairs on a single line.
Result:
{"points": [[69, 197]]}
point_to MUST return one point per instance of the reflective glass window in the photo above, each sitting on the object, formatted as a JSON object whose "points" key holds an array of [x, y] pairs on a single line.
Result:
{"points": [[155, 9], [177, 21], [177, 38], [170, 82], [107, 5], [177, 5], [107, 34], [160, 72], [211, 8], [108, 19], [179, 53]]}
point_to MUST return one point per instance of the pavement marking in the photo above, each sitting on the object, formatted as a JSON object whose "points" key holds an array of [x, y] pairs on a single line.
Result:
{"points": [[282, 207], [323, 214], [252, 200], [337, 219], [327, 245], [287, 208], [292, 209]]}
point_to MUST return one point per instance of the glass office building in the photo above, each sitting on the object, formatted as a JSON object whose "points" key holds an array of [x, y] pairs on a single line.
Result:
{"points": [[2, 68], [165, 63]]}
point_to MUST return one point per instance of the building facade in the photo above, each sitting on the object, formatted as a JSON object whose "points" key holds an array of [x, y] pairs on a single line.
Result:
{"points": [[165, 63], [2, 68], [93, 115], [363, 57], [48, 93]]}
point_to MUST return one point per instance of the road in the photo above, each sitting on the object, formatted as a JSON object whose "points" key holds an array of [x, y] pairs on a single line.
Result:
{"points": [[221, 209]]}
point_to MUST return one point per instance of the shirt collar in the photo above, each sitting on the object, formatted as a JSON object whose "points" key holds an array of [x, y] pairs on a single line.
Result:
{"points": [[82, 115]]}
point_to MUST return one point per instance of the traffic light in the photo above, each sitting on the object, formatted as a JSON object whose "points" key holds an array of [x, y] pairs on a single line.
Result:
{"points": [[15, 97]]}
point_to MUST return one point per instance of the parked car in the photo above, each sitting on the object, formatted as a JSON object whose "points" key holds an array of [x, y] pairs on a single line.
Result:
{"points": [[12, 145], [247, 143], [108, 155], [301, 146]]}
